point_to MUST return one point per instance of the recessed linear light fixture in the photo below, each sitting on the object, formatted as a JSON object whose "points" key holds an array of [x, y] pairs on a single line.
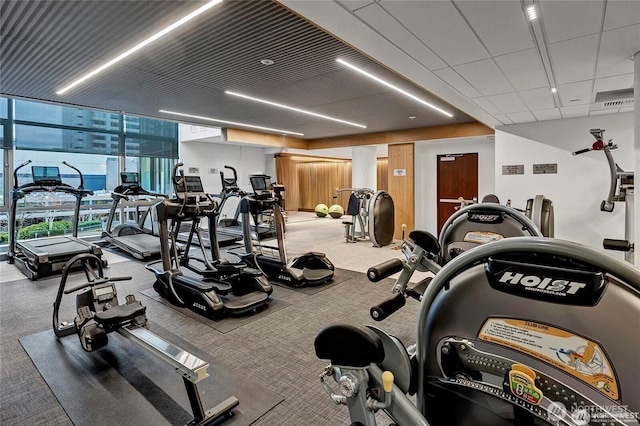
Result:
{"points": [[532, 13], [217, 120], [391, 86], [139, 46], [326, 117]]}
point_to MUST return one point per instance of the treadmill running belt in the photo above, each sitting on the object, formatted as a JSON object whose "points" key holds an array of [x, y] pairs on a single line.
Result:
{"points": [[55, 246]]}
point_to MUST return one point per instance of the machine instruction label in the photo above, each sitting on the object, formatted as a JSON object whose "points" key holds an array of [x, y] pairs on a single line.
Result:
{"points": [[570, 353]]}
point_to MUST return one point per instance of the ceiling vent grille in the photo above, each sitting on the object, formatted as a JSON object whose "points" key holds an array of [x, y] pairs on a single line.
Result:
{"points": [[613, 100]]}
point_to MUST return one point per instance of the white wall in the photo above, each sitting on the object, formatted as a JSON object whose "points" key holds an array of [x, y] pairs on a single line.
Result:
{"points": [[426, 153], [206, 156], [582, 181]]}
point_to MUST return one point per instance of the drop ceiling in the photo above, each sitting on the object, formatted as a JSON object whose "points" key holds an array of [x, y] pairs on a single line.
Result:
{"points": [[480, 60], [487, 59]]}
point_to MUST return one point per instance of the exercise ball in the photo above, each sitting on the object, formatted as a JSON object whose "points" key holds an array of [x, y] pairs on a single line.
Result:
{"points": [[321, 210], [336, 211]]}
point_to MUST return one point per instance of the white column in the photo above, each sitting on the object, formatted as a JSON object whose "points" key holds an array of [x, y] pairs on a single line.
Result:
{"points": [[364, 167], [636, 153]]}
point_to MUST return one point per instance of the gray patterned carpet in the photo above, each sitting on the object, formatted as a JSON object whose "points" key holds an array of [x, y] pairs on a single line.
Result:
{"points": [[274, 350]]}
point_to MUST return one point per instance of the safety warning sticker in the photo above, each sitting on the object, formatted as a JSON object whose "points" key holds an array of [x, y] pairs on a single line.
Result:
{"points": [[481, 237], [573, 354]]}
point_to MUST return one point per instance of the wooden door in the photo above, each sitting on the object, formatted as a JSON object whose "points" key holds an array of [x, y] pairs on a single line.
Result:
{"points": [[457, 177]]}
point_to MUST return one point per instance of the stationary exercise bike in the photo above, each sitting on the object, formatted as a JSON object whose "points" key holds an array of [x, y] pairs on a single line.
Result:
{"points": [[522, 331], [468, 228], [621, 189], [100, 313]]}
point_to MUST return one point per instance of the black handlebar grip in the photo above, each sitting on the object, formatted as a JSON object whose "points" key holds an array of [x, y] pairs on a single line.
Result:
{"points": [[581, 151], [384, 270], [619, 245], [389, 306]]}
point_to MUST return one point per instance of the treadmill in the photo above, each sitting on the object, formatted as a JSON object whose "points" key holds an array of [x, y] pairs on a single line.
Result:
{"points": [[43, 257], [133, 238]]}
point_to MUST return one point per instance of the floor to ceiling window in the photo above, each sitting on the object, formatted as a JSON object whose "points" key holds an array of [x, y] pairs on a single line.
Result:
{"points": [[99, 144]]}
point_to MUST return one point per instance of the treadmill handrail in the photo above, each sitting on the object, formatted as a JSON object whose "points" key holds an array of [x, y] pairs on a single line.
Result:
{"points": [[15, 173]]}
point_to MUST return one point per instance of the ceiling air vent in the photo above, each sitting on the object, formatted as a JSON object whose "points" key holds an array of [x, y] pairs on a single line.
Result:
{"points": [[613, 100]]}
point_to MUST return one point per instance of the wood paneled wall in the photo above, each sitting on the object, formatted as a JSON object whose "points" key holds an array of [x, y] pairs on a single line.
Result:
{"points": [[402, 188], [309, 181], [287, 175], [318, 182], [383, 174]]}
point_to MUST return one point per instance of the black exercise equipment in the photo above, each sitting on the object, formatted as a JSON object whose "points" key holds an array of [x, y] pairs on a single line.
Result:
{"points": [[523, 331], [309, 269], [220, 287], [41, 257], [231, 227], [99, 313], [469, 227], [621, 189], [133, 238]]}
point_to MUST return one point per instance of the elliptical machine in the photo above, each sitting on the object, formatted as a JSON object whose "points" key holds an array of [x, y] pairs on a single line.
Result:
{"points": [[309, 269], [222, 287], [372, 216], [621, 189]]}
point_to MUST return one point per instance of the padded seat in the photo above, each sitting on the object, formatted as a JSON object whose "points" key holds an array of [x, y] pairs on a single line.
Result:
{"points": [[425, 240], [349, 346], [121, 313]]}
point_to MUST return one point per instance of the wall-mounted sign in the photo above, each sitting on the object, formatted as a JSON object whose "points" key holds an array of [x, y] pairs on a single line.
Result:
{"points": [[399, 172], [514, 169], [541, 169], [194, 170]]}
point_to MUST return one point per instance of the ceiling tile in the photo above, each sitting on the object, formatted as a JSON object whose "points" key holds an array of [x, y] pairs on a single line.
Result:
{"points": [[501, 25], [504, 119], [574, 60], [616, 48], [547, 114], [613, 83], [575, 111], [355, 5], [457, 82], [568, 19], [439, 25], [485, 76], [575, 93], [621, 13], [521, 117], [383, 22], [523, 69], [485, 104], [508, 102], [538, 99]]}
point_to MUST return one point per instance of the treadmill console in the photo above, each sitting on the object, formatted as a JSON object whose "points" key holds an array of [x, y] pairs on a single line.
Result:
{"points": [[130, 179], [46, 175], [262, 186]]}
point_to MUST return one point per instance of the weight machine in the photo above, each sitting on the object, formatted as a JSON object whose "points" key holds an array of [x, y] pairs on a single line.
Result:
{"points": [[620, 190]]}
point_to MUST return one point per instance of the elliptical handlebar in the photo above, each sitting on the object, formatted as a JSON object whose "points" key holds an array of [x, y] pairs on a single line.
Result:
{"points": [[175, 173]]}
